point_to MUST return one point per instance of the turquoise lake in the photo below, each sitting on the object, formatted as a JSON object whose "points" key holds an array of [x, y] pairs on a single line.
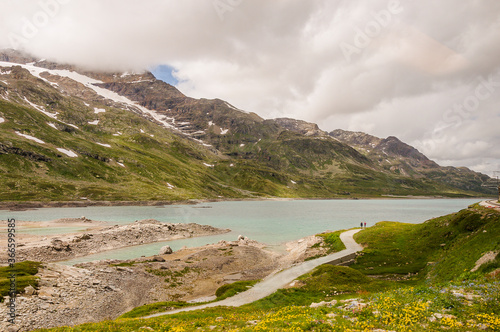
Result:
{"points": [[270, 222]]}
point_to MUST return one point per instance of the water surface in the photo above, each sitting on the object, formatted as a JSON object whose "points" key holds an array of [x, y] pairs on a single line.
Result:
{"points": [[270, 222]]}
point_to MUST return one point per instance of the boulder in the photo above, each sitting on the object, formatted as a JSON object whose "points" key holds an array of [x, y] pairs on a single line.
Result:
{"points": [[30, 290], [158, 258], [323, 304], [59, 245], [166, 250]]}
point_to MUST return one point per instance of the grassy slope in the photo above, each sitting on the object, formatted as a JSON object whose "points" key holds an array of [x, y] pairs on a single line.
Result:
{"points": [[33, 171], [440, 249]]}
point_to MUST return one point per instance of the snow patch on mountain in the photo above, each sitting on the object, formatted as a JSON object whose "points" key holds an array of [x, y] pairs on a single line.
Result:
{"points": [[99, 110], [234, 108], [41, 109], [91, 83], [69, 153], [30, 138]]}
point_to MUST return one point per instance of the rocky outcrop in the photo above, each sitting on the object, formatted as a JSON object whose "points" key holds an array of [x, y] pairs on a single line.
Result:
{"points": [[301, 127]]}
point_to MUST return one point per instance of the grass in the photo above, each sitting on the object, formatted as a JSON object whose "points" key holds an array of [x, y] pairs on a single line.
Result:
{"points": [[434, 308], [324, 283], [234, 288], [222, 293], [441, 248], [150, 309], [24, 276], [332, 241]]}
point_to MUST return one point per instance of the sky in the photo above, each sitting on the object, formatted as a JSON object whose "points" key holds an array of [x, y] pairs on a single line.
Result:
{"points": [[427, 72]]}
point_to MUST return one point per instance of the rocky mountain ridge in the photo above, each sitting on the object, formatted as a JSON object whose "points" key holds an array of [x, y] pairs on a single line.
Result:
{"points": [[112, 128], [400, 158]]}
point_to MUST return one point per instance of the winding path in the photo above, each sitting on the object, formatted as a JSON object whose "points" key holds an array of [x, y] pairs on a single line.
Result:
{"points": [[490, 204], [272, 283]]}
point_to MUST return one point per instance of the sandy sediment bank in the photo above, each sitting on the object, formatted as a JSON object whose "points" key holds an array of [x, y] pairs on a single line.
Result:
{"points": [[99, 239]]}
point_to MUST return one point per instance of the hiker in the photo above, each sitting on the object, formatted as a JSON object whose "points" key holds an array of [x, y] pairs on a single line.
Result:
{"points": [[361, 225]]}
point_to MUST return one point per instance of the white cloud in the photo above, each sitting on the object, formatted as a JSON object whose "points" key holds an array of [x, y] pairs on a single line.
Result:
{"points": [[283, 58]]}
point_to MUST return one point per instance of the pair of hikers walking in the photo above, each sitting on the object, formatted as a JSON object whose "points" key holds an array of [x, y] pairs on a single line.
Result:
{"points": [[362, 225]]}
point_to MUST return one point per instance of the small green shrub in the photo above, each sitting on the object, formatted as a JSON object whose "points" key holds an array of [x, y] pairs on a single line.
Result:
{"points": [[229, 290], [24, 276], [332, 241]]}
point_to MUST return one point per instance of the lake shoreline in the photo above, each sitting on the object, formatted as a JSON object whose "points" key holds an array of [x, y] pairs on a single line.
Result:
{"points": [[100, 238], [30, 205]]}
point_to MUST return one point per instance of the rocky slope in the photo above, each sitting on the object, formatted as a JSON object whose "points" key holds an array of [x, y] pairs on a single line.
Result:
{"points": [[72, 134], [92, 292], [400, 158]]}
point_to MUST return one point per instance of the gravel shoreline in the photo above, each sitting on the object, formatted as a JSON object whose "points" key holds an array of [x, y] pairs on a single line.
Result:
{"points": [[99, 239]]}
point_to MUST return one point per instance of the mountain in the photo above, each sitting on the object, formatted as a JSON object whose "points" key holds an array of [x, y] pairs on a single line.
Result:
{"points": [[400, 158], [72, 134]]}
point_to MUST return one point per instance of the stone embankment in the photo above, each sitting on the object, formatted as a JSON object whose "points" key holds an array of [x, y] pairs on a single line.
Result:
{"points": [[108, 238]]}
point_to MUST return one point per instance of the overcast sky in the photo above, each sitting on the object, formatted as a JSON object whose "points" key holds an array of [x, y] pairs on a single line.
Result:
{"points": [[425, 71]]}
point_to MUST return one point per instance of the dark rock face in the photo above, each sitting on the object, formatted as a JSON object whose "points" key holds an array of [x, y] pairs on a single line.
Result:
{"points": [[301, 127]]}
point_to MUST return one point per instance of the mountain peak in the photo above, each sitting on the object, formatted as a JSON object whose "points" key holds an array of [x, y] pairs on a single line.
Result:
{"points": [[301, 127]]}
